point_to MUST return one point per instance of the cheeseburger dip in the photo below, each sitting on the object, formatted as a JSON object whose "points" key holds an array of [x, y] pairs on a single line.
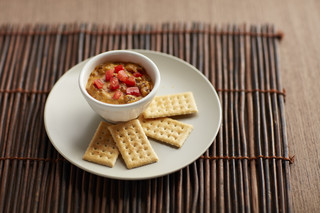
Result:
{"points": [[119, 83]]}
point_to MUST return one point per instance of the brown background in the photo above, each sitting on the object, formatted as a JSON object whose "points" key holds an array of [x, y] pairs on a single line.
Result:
{"points": [[299, 52]]}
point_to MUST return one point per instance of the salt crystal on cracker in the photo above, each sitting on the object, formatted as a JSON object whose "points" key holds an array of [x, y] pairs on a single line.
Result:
{"points": [[171, 105], [133, 144], [102, 149], [166, 130]]}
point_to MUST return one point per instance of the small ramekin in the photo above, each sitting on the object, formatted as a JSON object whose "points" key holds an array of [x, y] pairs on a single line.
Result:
{"points": [[120, 112]]}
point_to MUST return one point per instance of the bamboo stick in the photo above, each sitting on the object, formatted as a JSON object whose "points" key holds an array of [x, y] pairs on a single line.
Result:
{"points": [[225, 106], [220, 136], [187, 42], [207, 184], [231, 68], [253, 171], [242, 126], [237, 147], [174, 41], [200, 162], [213, 149]]}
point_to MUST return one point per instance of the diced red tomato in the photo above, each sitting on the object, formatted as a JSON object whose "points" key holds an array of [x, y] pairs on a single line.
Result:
{"points": [[131, 81], [133, 91], [114, 83], [122, 76], [109, 74], [118, 68], [117, 95], [137, 74], [98, 83]]}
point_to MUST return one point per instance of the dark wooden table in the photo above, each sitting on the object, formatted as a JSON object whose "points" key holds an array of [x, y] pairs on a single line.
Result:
{"points": [[299, 52]]}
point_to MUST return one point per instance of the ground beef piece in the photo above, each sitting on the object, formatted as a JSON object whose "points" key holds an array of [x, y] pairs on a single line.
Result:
{"points": [[129, 98]]}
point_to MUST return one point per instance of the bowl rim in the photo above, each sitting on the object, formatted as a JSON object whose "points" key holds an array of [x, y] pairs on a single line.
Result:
{"points": [[129, 105]]}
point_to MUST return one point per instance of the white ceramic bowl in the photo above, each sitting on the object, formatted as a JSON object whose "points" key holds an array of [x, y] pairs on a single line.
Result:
{"points": [[120, 112]]}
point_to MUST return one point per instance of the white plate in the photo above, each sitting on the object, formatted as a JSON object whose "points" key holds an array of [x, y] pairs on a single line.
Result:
{"points": [[70, 122]]}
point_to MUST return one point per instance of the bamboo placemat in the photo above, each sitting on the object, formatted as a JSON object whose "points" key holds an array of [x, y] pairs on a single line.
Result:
{"points": [[245, 170]]}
